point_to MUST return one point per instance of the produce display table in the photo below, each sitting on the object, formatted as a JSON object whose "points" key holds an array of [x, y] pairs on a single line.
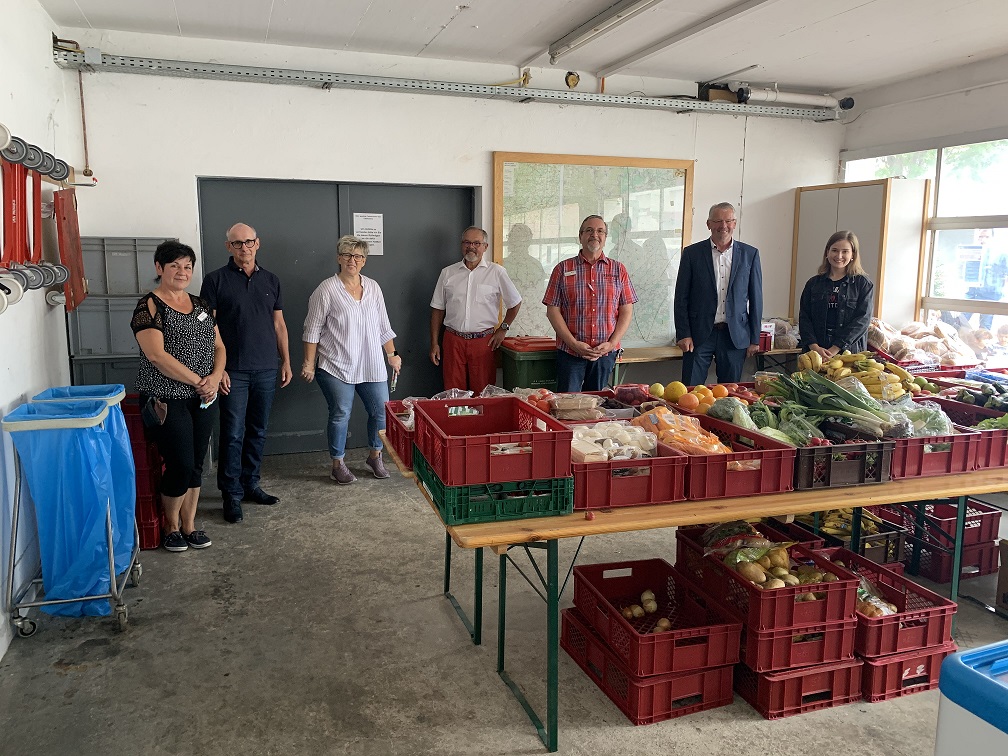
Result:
{"points": [[545, 532]]}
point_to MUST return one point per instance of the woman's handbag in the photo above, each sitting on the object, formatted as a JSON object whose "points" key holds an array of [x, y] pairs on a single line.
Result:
{"points": [[154, 413]]}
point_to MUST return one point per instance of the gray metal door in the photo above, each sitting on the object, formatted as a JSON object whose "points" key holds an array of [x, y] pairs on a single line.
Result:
{"points": [[298, 223]]}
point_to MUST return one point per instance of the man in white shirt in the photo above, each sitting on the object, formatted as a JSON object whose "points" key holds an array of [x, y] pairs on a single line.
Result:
{"points": [[467, 302]]}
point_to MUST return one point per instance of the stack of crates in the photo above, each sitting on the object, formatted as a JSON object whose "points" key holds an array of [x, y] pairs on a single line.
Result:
{"points": [[148, 464], [797, 652], [936, 538], [902, 652], [485, 460], [652, 673]]}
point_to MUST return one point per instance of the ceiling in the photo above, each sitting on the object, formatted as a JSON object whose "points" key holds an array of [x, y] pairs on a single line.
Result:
{"points": [[810, 45]]}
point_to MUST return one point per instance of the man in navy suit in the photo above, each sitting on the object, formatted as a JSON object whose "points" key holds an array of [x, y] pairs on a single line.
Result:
{"points": [[718, 301]]}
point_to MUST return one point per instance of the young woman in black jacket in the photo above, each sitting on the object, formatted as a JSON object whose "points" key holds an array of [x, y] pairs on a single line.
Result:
{"points": [[836, 305]]}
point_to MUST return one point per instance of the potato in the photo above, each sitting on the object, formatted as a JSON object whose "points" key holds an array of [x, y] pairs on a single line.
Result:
{"points": [[778, 572], [663, 624], [789, 579], [627, 612], [752, 572], [764, 562], [779, 557], [773, 583], [829, 577], [805, 597], [808, 578]]}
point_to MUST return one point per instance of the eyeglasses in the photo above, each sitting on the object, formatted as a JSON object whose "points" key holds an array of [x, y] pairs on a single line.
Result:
{"points": [[594, 232], [350, 256], [466, 243], [239, 243]]}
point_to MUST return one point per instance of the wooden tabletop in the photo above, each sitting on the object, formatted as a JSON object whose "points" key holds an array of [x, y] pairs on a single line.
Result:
{"points": [[649, 354], [720, 510], [781, 351]]}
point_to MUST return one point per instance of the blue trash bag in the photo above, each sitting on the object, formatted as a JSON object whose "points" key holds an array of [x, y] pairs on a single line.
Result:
{"points": [[69, 475], [123, 465]]}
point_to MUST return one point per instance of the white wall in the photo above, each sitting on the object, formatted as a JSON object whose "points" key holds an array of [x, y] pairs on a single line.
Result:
{"points": [[964, 104], [32, 334]]}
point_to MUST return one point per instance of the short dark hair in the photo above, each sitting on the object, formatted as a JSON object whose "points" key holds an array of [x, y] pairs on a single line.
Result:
{"points": [[171, 250], [588, 218]]}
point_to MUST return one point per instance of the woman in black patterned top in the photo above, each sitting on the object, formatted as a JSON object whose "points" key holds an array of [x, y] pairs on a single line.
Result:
{"points": [[181, 364]]}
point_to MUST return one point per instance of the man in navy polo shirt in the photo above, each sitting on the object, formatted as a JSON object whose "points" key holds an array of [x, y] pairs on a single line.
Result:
{"points": [[248, 306]]}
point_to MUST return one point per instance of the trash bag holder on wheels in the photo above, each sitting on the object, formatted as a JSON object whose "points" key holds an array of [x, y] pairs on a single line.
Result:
{"points": [[64, 451]]}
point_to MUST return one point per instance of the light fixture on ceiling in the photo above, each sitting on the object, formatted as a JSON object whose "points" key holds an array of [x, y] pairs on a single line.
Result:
{"points": [[603, 23], [747, 94]]}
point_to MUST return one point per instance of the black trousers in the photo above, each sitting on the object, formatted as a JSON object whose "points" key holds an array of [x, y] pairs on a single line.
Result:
{"points": [[182, 441]]}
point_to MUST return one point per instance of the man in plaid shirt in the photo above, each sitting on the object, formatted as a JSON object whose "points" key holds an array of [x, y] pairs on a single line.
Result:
{"points": [[589, 302]]}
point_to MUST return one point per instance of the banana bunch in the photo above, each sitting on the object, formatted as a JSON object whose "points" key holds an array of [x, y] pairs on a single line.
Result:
{"points": [[810, 361], [838, 522]]}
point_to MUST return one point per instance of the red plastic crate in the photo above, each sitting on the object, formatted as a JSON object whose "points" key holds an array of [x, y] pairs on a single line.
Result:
{"points": [[936, 564], [777, 609], [912, 459], [716, 476], [399, 436], [902, 674], [466, 450], [992, 446], [769, 650], [982, 521], [923, 619], [631, 482], [643, 700], [148, 519], [797, 691], [690, 559], [701, 636]]}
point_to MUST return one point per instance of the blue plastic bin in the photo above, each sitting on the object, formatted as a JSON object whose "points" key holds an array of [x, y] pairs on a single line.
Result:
{"points": [[123, 465], [973, 710], [65, 451]]}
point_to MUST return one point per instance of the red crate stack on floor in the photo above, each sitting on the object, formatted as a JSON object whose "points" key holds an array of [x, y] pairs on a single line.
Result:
{"points": [[902, 651], [651, 673], [148, 475], [796, 653]]}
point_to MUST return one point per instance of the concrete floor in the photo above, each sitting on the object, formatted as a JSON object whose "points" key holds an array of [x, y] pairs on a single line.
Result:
{"points": [[318, 626]]}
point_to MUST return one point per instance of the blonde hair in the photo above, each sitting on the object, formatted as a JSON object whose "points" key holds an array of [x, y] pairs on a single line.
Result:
{"points": [[854, 266], [347, 244]]}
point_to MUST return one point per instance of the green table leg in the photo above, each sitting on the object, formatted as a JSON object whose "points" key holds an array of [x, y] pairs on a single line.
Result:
{"points": [[957, 553], [475, 628], [547, 733], [918, 536], [855, 531]]}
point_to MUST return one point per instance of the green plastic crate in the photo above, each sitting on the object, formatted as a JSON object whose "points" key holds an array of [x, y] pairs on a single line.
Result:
{"points": [[529, 369], [492, 502]]}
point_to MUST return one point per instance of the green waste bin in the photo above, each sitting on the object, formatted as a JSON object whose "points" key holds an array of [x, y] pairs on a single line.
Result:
{"points": [[529, 369]]}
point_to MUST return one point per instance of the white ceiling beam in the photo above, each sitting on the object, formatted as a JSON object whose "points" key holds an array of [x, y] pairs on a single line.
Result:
{"points": [[598, 26], [718, 19]]}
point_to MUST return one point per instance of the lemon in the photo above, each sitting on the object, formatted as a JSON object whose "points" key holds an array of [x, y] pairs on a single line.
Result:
{"points": [[674, 390], [656, 390]]}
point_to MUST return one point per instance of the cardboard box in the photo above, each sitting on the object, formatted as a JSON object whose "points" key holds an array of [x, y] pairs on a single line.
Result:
{"points": [[1001, 600]]}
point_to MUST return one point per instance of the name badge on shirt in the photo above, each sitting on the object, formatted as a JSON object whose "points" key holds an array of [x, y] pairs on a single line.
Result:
{"points": [[202, 316], [570, 273]]}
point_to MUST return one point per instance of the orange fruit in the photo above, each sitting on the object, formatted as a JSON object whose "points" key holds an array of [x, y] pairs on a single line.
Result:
{"points": [[703, 391], [702, 409], [688, 402], [719, 391]]}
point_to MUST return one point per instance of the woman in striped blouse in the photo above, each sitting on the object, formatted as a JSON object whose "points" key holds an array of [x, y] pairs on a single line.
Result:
{"points": [[348, 334]]}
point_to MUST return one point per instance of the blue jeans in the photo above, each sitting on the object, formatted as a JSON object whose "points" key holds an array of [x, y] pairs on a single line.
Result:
{"points": [[339, 397], [578, 374], [244, 415]]}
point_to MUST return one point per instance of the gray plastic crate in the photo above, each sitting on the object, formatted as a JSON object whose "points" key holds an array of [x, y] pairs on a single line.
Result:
{"points": [[98, 372], [119, 265], [102, 327]]}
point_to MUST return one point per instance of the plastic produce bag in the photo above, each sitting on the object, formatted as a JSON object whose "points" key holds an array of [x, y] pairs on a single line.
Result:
{"points": [[454, 394], [491, 391], [69, 477], [928, 419]]}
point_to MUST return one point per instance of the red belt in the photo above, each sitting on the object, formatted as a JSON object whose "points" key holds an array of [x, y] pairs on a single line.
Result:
{"points": [[477, 335]]}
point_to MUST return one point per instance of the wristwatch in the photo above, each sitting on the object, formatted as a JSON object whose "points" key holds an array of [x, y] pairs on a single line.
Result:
{"points": [[504, 326]]}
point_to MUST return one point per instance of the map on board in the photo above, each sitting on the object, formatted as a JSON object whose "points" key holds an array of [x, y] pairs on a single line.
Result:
{"points": [[544, 205]]}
